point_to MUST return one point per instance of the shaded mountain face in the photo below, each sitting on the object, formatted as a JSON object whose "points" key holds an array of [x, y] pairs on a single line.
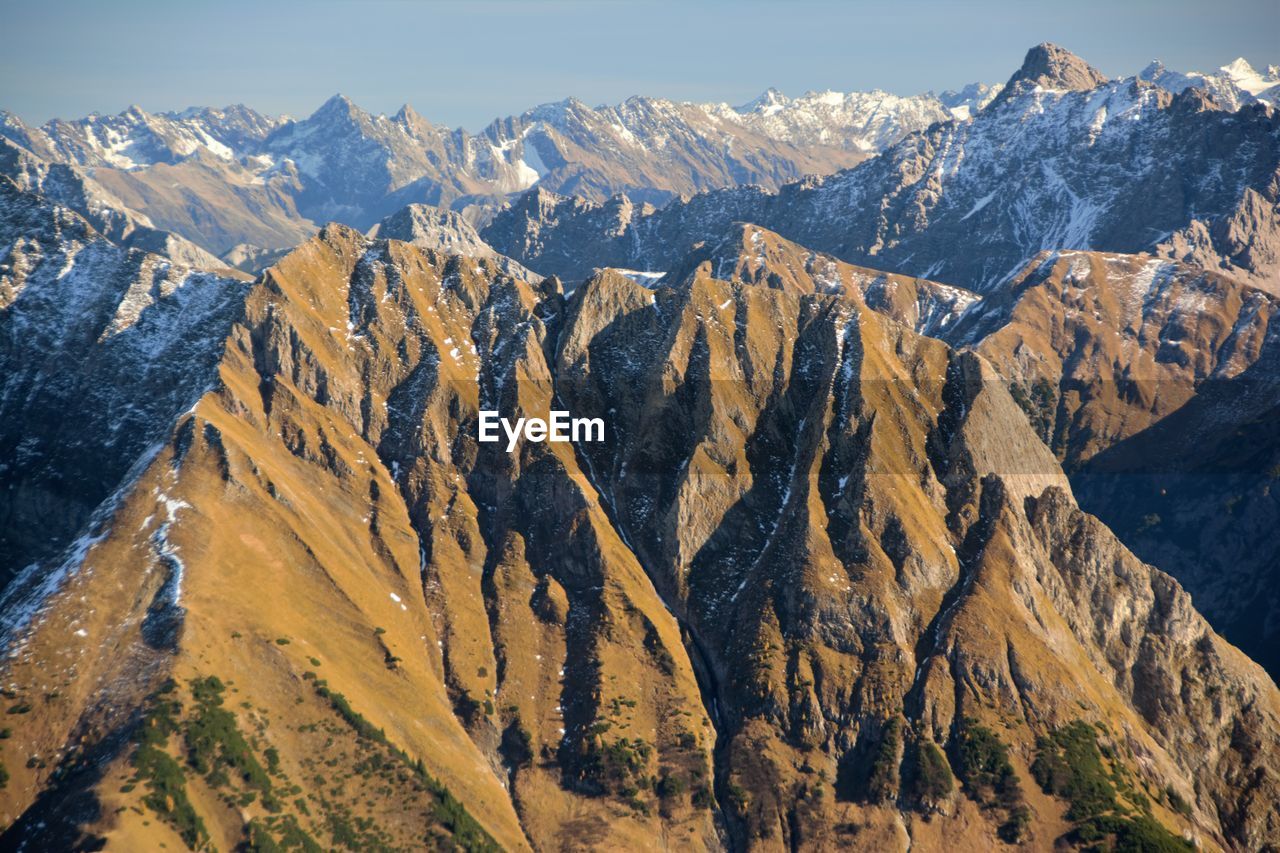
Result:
{"points": [[1155, 382], [820, 584], [1196, 493], [1103, 346], [100, 348], [1099, 350], [1115, 168]]}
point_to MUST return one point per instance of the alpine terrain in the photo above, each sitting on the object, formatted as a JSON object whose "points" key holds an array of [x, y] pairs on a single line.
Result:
{"points": [[932, 504]]}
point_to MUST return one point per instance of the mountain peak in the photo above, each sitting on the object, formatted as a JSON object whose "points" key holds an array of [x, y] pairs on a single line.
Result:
{"points": [[407, 115], [1238, 68], [338, 105], [1052, 67], [770, 97]]}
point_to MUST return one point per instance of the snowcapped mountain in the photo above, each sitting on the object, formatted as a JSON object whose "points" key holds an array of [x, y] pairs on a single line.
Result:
{"points": [[1233, 85], [69, 186], [123, 338], [1062, 158], [825, 582], [136, 139], [858, 121], [234, 179], [824, 545]]}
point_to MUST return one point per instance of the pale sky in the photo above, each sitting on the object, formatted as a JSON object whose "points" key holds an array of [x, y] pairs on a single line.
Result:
{"points": [[465, 63]]}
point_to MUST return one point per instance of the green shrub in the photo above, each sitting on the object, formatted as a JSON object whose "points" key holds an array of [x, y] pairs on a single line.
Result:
{"points": [[1069, 765], [1176, 802], [882, 781], [213, 739], [930, 780], [669, 786]]}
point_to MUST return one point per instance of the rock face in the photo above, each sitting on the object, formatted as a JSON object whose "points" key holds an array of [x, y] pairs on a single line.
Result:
{"points": [[1048, 66], [1112, 168], [749, 254], [444, 231], [1103, 346], [819, 585], [100, 348], [1196, 494], [1156, 384]]}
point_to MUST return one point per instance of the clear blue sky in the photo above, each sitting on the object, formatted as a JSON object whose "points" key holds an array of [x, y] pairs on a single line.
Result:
{"points": [[466, 63]]}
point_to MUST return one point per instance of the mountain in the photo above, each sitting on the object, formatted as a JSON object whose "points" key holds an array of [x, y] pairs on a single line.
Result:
{"points": [[1233, 85], [124, 338], [1196, 493], [752, 255], [136, 139], [444, 231], [858, 121], [820, 585], [1156, 383], [1123, 341], [230, 177], [1046, 165], [70, 186]]}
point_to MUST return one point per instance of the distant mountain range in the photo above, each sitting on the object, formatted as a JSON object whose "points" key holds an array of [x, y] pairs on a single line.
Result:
{"points": [[237, 183], [242, 177], [1062, 159]]}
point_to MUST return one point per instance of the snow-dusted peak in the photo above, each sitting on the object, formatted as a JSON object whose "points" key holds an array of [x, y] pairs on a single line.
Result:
{"points": [[769, 101], [338, 106], [1241, 73], [1232, 86], [966, 102]]}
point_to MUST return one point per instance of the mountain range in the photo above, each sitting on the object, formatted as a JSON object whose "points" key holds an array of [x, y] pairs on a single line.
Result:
{"points": [[240, 184], [917, 476]]}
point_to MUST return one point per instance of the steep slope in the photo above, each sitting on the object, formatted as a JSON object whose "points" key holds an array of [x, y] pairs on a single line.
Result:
{"points": [[1196, 494], [469, 605], [123, 339], [818, 569], [849, 565], [1156, 384], [1102, 346], [1119, 167], [217, 204]]}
